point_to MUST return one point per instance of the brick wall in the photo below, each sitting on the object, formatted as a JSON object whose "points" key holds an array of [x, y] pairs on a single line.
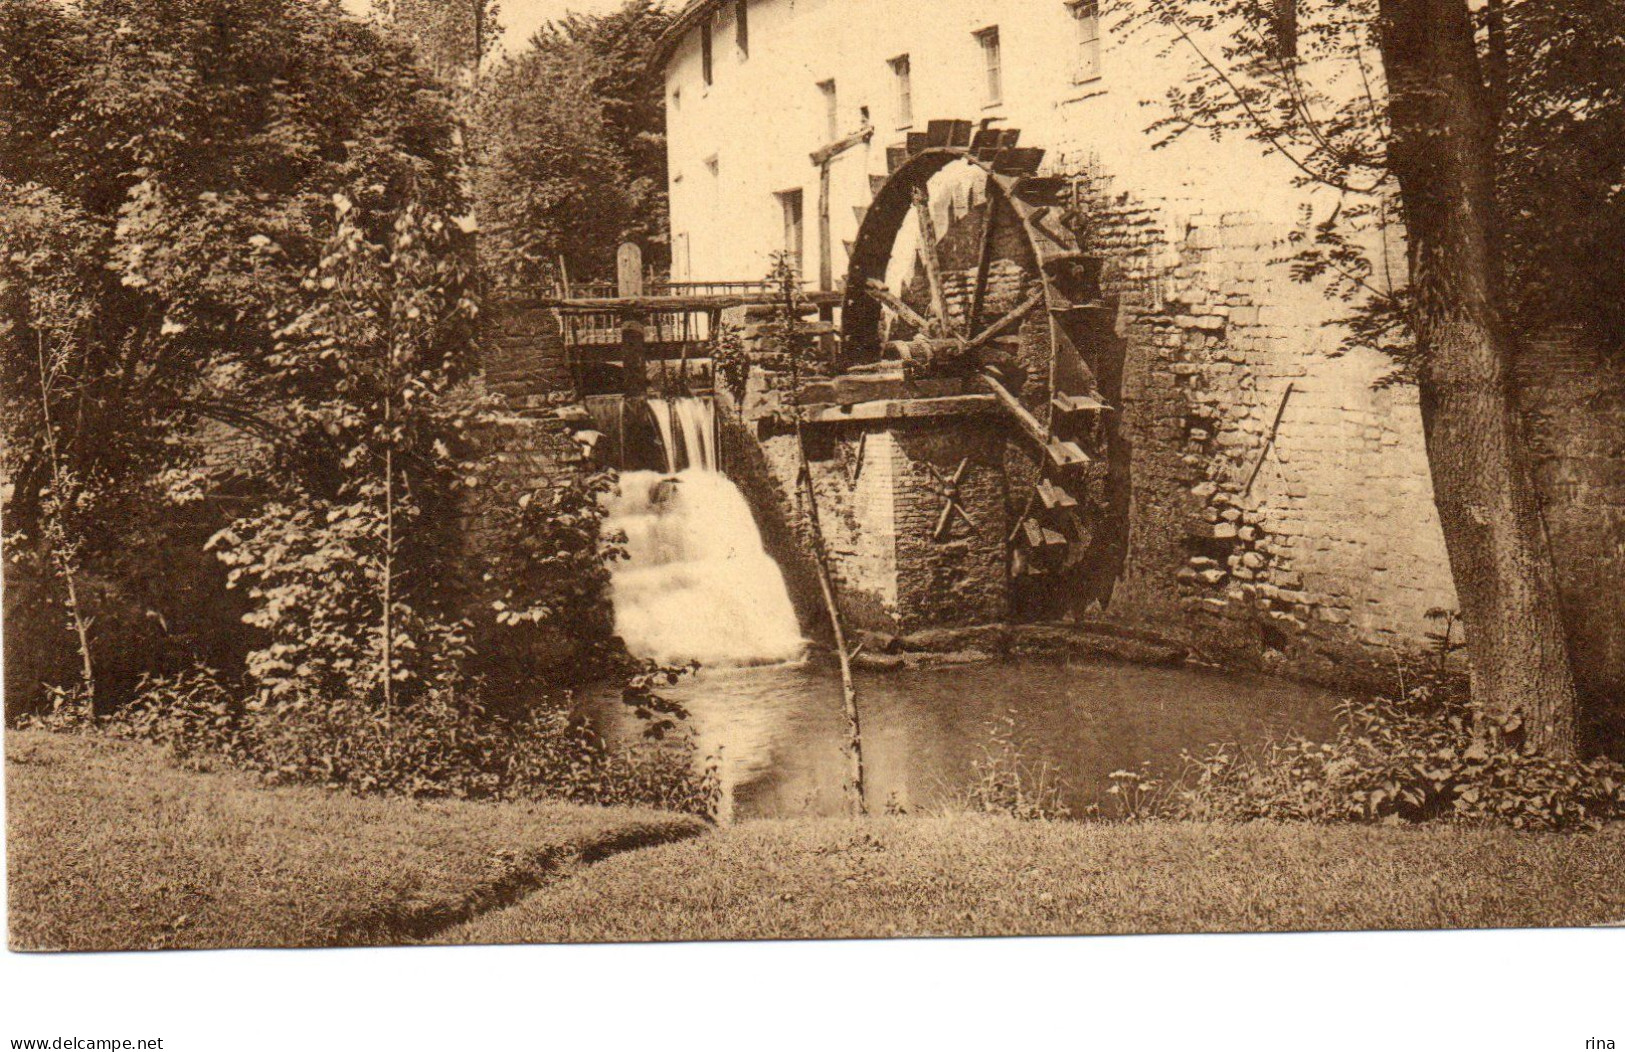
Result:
{"points": [[1281, 510], [879, 502], [523, 354]]}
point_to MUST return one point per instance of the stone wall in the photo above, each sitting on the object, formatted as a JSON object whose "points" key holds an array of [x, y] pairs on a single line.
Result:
{"points": [[524, 355], [1281, 511], [881, 485]]}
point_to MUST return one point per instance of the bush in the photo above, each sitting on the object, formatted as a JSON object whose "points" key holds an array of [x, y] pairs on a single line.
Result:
{"points": [[192, 713], [1007, 781], [444, 744], [1428, 757]]}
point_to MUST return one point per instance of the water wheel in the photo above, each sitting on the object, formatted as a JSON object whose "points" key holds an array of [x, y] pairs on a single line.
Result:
{"points": [[962, 265]]}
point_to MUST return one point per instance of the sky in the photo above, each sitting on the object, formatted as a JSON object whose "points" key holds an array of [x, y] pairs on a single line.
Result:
{"points": [[521, 18]]}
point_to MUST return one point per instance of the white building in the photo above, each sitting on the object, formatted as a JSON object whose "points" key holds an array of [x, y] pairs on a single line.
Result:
{"points": [[754, 87], [1281, 501]]}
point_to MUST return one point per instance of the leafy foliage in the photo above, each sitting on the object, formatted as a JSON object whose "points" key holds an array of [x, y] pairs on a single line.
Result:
{"points": [[452, 38], [1005, 780], [1428, 757], [1554, 68], [730, 358], [347, 570], [557, 556], [166, 175], [572, 135], [1562, 164], [446, 745]]}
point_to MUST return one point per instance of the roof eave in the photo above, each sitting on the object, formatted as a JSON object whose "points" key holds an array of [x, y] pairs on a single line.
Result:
{"points": [[686, 20]]}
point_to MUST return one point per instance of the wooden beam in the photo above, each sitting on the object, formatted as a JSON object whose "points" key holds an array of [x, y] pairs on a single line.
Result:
{"points": [[826, 251], [629, 271], [928, 255], [612, 304], [899, 409], [879, 291], [1004, 324], [1062, 454], [825, 154], [984, 260]]}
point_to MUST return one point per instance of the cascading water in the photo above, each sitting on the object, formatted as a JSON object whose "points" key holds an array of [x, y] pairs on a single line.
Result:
{"points": [[698, 585], [693, 422]]}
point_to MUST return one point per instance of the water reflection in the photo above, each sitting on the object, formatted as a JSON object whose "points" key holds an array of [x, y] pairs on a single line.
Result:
{"points": [[780, 729]]}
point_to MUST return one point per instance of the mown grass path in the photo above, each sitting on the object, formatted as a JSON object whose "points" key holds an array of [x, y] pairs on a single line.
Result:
{"points": [[112, 848], [982, 876]]}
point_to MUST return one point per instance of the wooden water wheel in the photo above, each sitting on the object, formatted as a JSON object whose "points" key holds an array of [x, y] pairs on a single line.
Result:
{"points": [[997, 289]]}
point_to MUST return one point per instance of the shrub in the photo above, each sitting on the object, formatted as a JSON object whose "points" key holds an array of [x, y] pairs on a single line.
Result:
{"points": [[730, 359], [1007, 781], [443, 744], [550, 570], [192, 713], [1428, 757]]}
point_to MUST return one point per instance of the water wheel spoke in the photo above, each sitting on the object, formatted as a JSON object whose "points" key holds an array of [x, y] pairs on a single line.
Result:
{"points": [[984, 259], [1007, 322], [928, 255], [890, 301]]}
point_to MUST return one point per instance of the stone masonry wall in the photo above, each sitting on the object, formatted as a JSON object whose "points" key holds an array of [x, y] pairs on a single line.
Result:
{"points": [[879, 502], [1281, 512], [524, 355]]}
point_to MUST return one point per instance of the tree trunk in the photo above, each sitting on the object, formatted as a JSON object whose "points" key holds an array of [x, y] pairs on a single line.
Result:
{"points": [[55, 529], [1441, 151]]}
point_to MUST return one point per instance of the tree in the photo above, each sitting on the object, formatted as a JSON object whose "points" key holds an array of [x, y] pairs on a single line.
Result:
{"points": [[350, 566], [1441, 151], [42, 284], [572, 141], [1400, 109], [167, 170], [452, 37]]}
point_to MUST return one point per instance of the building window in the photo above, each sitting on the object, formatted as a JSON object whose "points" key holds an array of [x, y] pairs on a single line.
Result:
{"points": [[706, 70], [902, 76], [676, 98], [993, 63], [742, 27], [832, 110], [794, 235], [1086, 19], [682, 259]]}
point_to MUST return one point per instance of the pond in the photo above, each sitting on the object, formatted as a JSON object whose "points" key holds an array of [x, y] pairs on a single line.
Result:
{"points": [[697, 584], [928, 734]]}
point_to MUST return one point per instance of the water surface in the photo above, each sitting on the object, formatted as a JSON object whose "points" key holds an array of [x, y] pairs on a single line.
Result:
{"points": [[781, 729]]}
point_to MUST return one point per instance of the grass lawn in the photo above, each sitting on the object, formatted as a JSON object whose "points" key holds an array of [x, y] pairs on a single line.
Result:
{"points": [[803, 879], [111, 848]]}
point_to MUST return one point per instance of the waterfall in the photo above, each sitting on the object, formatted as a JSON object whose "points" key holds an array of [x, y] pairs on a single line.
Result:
{"points": [[697, 416], [694, 421], [698, 585], [661, 410]]}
